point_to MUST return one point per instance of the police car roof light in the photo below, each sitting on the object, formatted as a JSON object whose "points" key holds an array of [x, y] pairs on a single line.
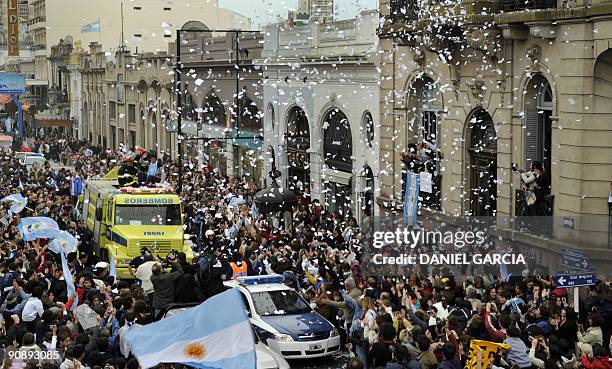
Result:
{"points": [[249, 281]]}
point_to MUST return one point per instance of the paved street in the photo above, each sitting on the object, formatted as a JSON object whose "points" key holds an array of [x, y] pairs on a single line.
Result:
{"points": [[334, 362]]}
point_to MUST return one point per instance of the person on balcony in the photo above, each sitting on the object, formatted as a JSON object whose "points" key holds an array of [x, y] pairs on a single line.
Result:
{"points": [[541, 189]]}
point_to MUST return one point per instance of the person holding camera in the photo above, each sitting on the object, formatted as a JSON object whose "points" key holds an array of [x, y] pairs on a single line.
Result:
{"points": [[164, 282]]}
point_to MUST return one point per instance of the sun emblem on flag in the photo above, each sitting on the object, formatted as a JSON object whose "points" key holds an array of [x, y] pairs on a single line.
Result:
{"points": [[195, 351]]}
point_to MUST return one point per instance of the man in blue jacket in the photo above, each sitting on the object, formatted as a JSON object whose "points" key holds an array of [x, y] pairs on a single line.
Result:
{"points": [[76, 186]]}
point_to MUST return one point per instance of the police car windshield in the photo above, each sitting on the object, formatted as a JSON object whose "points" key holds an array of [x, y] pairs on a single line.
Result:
{"points": [[148, 215], [284, 302]]}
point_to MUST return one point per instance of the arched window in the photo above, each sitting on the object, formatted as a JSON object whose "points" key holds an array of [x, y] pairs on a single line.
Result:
{"points": [[538, 122], [483, 164], [427, 110], [214, 111], [337, 142], [298, 131], [368, 129], [298, 142], [250, 116]]}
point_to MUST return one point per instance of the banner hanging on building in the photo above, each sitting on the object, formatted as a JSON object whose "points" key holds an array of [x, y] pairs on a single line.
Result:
{"points": [[13, 27], [12, 84]]}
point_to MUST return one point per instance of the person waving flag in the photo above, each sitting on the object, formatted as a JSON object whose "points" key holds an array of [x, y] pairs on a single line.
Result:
{"points": [[18, 203], [32, 228]]}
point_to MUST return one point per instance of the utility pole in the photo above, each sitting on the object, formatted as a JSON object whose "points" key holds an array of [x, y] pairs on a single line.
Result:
{"points": [[179, 106]]}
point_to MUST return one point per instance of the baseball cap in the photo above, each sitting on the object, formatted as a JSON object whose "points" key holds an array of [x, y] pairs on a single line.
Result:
{"points": [[101, 265]]}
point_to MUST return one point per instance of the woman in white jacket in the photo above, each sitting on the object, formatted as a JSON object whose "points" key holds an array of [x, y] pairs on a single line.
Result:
{"points": [[593, 334]]}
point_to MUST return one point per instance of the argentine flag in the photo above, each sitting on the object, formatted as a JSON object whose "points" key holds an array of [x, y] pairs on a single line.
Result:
{"points": [[18, 203], [63, 242], [69, 283], [112, 268], [214, 334], [411, 198], [91, 27], [32, 228]]}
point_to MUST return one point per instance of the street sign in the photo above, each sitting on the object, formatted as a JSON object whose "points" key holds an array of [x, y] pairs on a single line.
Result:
{"points": [[575, 280], [574, 260]]}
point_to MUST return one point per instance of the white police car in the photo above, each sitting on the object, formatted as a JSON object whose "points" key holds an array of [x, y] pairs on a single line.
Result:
{"points": [[284, 320]]}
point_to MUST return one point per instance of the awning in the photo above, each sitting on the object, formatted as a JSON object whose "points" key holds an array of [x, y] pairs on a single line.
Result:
{"points": [[54, 122], [36, 82]]}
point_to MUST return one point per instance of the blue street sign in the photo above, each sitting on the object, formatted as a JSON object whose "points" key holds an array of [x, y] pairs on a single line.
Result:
{"points": [[575, 280], [575, 260], [574, 252]]}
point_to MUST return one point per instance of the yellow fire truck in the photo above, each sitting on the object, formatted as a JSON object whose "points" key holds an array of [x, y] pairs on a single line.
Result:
{"points": [[124, 220]]}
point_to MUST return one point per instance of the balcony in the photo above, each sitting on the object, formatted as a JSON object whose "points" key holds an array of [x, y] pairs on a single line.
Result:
{"points": [[519, 18], [38, 47], [58, 97], [541, 226], [444, 22], [34, 22], [515, 5]]}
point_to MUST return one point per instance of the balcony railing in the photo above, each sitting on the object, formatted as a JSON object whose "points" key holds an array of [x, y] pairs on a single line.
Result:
{"points": [[514, 5], [404, 10], [529, 222], [36, 20]]}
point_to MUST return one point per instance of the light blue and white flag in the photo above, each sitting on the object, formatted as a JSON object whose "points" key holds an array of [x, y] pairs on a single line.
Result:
{"points": [[32, 228], [254, 211], [113, 269], [503, 272], [63, 242], [91, 27], [411, 199], [237, 201], [205, 336], [18, 203], [69, 283]]}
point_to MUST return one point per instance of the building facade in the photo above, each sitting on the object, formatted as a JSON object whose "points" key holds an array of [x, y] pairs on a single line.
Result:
{"points": [[25, 38], [127, 99], [230, 129], [148, 26], [321, 101], [497, 83]]}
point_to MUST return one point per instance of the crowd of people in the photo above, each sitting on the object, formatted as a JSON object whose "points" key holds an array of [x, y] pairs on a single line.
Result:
{"points": [[416, 321]]}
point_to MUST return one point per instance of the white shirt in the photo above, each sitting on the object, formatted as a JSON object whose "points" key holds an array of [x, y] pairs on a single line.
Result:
{"points": [[123, 343], [143, 274], [32, 308]]}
